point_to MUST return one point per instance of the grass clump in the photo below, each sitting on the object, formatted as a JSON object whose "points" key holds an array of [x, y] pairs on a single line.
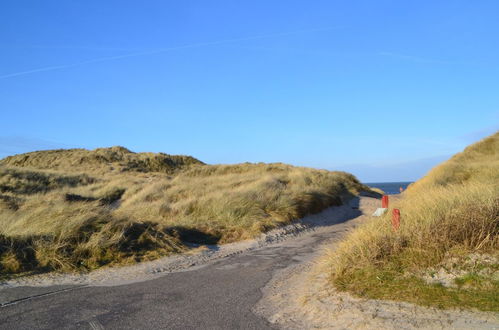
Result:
{"points": [[24, 182], [101, 160], [450, 214], [79, 209], [386, 284]]}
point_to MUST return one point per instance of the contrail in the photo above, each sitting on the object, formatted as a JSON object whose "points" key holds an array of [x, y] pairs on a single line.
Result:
{"points": [[5, 46], [161, 50]]}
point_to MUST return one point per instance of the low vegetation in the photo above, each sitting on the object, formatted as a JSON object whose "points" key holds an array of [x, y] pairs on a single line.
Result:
{"points": [[101, 161], [80, 209], [446, 250]]}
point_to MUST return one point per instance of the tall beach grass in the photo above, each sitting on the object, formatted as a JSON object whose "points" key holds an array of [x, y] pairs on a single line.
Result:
{"points": [[74, 209], [450, 214]]}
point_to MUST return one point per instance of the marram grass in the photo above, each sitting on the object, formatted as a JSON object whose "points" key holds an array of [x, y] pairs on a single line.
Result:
{"points": [[450, 213], [80, 209]]}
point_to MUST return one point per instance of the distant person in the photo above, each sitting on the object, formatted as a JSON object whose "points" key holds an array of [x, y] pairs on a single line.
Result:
{"points": [[401, 189]]}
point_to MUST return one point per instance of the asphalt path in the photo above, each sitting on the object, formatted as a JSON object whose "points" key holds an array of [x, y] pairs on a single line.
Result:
{"points": [[219, 295]]}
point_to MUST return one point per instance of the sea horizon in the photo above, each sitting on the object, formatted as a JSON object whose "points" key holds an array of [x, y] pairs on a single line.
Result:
{"points": [[390, 188]]}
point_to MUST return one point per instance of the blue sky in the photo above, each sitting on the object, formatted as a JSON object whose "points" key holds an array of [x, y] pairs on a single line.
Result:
{"points": [[385, 89]]}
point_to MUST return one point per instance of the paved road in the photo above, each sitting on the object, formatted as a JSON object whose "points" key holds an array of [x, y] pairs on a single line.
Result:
{"points": [[219, 295]]}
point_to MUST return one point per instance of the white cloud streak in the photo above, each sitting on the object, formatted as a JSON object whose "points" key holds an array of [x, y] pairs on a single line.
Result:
{"points": [[161, 50]]}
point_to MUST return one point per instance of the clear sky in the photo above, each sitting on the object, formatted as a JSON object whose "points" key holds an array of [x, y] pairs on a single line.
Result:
{"points": [[385, 89]]}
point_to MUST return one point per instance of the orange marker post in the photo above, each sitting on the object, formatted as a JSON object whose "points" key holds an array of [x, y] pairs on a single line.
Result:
{"points": [[384, 202], [396, 219]]}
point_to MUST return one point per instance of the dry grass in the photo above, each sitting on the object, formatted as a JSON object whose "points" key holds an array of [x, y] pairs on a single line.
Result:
{"points": [[100, 161], [59, 216], [450, 213]]}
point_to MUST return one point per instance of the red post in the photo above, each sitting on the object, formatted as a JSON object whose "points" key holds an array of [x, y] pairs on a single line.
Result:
{"points": [[384, 202], [396, 219]]}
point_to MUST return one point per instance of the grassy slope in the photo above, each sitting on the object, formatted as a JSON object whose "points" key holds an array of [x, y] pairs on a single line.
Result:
{"points": [[449, 217], [79, 209], [100, 161]]}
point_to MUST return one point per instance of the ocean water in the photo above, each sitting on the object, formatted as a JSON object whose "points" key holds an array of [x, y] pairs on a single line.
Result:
{"points": [[389, 188]]}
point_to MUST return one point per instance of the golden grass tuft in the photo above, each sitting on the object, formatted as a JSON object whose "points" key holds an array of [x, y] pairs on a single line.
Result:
{"points": [[452, 212]]}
